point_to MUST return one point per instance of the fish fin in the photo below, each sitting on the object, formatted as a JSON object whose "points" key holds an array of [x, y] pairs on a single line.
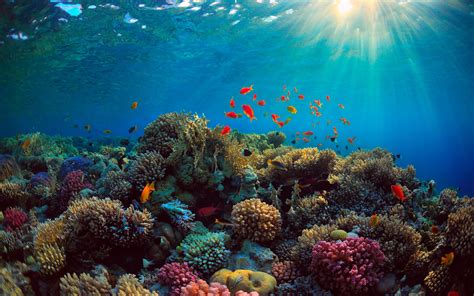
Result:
{"points": [[152, 185]]}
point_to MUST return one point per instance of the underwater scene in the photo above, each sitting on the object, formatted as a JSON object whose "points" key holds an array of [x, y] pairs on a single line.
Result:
{"points": [[237, 147]]}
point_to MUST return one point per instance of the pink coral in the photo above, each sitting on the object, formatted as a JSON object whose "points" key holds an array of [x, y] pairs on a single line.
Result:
{"points": [[349, 267], [14, 218], [176, 275], [201, 288], [242, 293], [73, 183]]}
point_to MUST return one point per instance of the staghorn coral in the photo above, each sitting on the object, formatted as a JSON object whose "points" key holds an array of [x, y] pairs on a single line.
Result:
{"points": [[12, 194], [180, 214], [51, 258], [201, 288], [285, 271], [8, 167], [13, 281], [147, 168], [162, 134], [84, 284], [256, 220], [14, 218], [206, 253], [438, 280], [350, 267], [51, 232], [308, 211], [176, 275], [460, 233], [128, 284]]}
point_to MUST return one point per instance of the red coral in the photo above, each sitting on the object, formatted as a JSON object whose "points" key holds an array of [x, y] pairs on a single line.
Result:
{"points": [[176, 275], [349, 267], [73, 183], [14, 218]]}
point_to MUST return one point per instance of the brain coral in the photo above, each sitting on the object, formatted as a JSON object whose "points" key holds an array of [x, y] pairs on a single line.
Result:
{"points": [[161, 134], [176, 276], [205, 252], [349, 267], [8, 167], [256, 220], [201, 288], [147, 168]]}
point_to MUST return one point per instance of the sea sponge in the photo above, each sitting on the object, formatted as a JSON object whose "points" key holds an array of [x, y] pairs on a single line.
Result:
{"points": [[460, 233], [349, 267], [308, 211], [8, 167], [201, 288], [128, 284], [76, 163], [14, 218], [256, 220], [245, 280], [147, 168], [285, 271], [206, 253], [176, 276], [161, 134], [73, 183], [84, 284], [51, 258]]}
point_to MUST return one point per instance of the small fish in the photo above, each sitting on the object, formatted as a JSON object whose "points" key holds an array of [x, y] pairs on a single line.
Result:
{"points": [[288, 120], [275, 118], [26, 144], [291, 109], [147, 263], [320, 145], [107, 132], [306, 140], [146, 192], [133, 129], [281, 124], [341, 106], [246, 90], [207, 211], [318, 114], [334, 129], [261, 103], [397, 191], [134, 105], [447, 259], [232, 114], [276, 164], [308, 133], [347, 147], [232, 102], [318, 102], [328, 98], [374, 220], [295, 89], [124, 142], [351, 140], [283, 98], [397, 156], [284, 87], [345, 121], [225, 130], [254, 97], [434, 229], [301, 97], [248, 111], [333, 139], [87, 127], [220, 222], [246, 152]]}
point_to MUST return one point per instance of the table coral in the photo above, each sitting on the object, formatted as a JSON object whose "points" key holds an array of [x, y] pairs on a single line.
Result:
{"points": [[349, 267], [8, 167], [246, 280], [256, 220], [176, 276], [14, 218], [201, 288]]}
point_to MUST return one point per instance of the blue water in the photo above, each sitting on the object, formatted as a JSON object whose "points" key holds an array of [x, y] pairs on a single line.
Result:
{"points": [[404, 71]]}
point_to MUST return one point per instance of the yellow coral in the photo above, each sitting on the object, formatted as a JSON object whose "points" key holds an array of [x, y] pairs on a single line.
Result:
{"points": [[301, 252], [51, 258], [128, 285], [438, 280], [256, 220], [12, 194], [74, 285], [245, 280], [51, 232]]}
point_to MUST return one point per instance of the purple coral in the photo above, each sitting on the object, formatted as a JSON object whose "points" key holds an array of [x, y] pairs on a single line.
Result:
{"points": [[73, 183], [349, 267], [176, 275], [74, 164]]}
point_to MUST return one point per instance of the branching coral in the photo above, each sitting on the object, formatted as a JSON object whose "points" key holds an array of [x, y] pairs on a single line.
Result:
{"points": [[180, 214], [201, 288], [71, 164], [147, 168], [176, 276], [12, 194], [308, 211], [349, 267], [438, 280], [13, 280], [285, 271], [51, 258], [460, 234], [84, 284], [128, 284], [256, 220], [301, 252], [51, 232], [114, 184], [14, 218], [42, 184], [8, 167], [206, 253]]}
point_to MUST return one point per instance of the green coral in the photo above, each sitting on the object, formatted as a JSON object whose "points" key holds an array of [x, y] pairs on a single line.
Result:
{"points": [[338, 234]]}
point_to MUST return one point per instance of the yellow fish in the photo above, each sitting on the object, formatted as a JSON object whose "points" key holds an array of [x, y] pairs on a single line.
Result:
{"points": [[146, 192], [291, 109], [107, 132], [447, 259]]}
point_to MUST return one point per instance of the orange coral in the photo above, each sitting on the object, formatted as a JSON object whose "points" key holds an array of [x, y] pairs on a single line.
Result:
{"points": [[201, 288]]}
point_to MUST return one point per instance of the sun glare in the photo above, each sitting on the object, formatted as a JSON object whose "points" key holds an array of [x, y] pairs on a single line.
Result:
{"points": [[344, 6]]}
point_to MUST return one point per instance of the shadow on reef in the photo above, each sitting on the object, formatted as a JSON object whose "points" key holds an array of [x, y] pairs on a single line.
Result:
{"points": [[241, 214]]}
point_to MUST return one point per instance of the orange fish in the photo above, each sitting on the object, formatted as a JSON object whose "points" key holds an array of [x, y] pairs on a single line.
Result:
{"points": [[261, 103], [318, 114], [249, 112], [434, 229], [207, 211], [275, 118], [374, 220], [341, 106], [334, 129], [26, 144], [254, 97], [246, 90], [447, 259], [318, 102], [232, 114], [351, 140], [328, 98], [345, 121], [225, 130], [146, 192], [306, 140], [301, 97], [397, 191], [308, 133], [232, 103], [280, 123], [134, 105]]}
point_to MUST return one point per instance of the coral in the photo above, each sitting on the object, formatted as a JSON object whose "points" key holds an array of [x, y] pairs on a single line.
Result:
{"points": [[245, 280], [301, 286], [51, 232], [201, 288], [71, 164], [349, 267], [10, 242], [242, 293], [128, 284], [114, 184], [308, 211], [147, 168], [283, 249], [302, 251], [162, 134], [14, 218], [180, 214], [252, 256], [206, 253], [438, 280], [84, 284], [256, 220], [338, 234], [51, 258], [13, 280], [12, 194], [285, 271], [460, 233], [42, 184], [8, 167], [73, 183], [276, 139], [176, 275]]}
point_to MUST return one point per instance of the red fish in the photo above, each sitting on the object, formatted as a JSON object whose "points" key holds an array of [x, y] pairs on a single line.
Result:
{"points": [[246, 90], [249, 112], [328, 98], [301, 97], [232, 114], [254, 97], [397, 191], [283, 98], [306, 140], [280, 123], [318, 114], [318, 102], [341, 106], [308, 133], [232, 103], [345, 121], [351, 140], [225, 130], [261, 103], [207, 211], [275, 118]]}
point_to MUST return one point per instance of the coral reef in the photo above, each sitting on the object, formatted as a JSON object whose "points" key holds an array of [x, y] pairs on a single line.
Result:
{"points": [[245, 280], [202, 288], [285, 271], [176, 275], [8, 167], [71, 164], [14, 218], [73, 183]]}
